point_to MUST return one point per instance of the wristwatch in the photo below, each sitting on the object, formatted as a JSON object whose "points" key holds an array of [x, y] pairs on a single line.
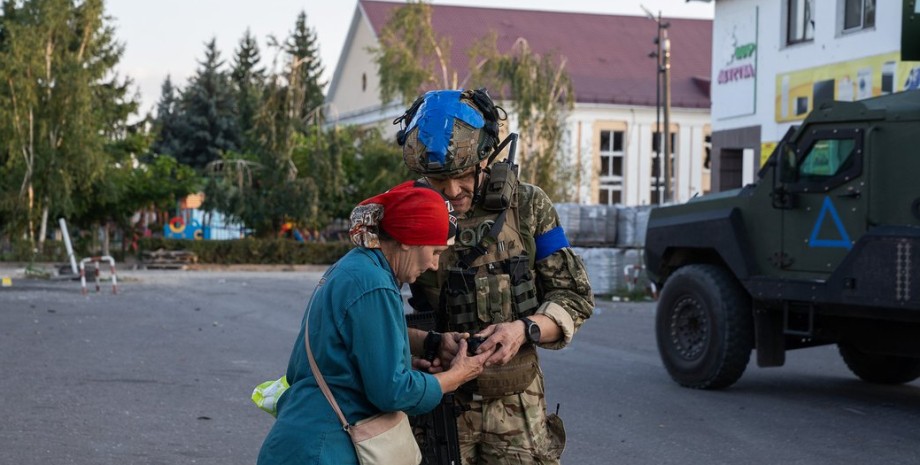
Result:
{"points": [[531, 330]]}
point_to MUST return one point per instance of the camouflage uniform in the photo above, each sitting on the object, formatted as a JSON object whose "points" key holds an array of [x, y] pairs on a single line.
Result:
{"points": [[513, 428]]}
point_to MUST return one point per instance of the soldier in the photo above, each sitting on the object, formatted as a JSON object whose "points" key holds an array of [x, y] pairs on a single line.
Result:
{"points": [[510, 278]]}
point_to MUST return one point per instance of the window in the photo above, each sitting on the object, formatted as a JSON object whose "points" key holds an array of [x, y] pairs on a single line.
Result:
{"points": [[611, 151], [800, 24], [657, 182], [858, 14], [823, 159], [611, 173], [826, 158]]}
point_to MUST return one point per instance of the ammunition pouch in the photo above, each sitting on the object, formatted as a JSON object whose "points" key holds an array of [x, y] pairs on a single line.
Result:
{"points": [[493, 299], [476, 300], [460, 300], [523, 286], [510, 378]]}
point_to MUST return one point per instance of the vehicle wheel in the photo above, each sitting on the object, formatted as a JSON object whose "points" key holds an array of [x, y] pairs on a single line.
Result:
{"points": [[704, 327], [879, 369]]}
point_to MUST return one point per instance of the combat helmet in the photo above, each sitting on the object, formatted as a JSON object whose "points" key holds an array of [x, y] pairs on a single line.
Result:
{"points": [[448, 131]]}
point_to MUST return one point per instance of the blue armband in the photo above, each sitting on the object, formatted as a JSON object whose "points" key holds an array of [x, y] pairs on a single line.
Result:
{"points": [[551, 242]]}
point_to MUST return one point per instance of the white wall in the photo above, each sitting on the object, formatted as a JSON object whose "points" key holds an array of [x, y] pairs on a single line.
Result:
{"points": [[775, 58], [349, 104], [355, 97], [640, 124]]}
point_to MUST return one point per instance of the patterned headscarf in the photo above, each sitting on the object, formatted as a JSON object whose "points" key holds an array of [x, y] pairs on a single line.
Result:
{"points": [[411, 213]]}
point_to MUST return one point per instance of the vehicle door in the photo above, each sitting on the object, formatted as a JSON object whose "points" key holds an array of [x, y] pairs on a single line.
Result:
{"points": [[827, 212]]}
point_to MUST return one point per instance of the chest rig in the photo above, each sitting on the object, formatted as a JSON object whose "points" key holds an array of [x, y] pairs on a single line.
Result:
{"points": [[487, 277]]}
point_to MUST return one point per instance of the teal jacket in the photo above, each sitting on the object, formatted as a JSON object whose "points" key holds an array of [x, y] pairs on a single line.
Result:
{"points": [[359, 340]]}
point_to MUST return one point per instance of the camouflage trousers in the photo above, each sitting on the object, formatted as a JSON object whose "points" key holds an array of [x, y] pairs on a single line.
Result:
{"points": [[510, 430]]}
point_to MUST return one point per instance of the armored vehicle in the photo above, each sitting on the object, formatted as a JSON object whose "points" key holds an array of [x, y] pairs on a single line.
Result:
{"points": [[823, 249]]}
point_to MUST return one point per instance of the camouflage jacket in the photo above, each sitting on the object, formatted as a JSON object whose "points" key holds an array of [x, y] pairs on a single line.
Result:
{"points": [[563, 291]]}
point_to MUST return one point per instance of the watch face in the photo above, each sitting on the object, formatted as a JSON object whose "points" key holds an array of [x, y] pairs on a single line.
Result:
{"points": [[533, 331]]}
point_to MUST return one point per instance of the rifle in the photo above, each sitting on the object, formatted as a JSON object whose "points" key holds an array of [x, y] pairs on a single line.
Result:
{"points": [[436, 431]]}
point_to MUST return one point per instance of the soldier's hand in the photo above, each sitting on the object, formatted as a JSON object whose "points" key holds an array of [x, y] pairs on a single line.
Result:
{"points": [[505, 339]]}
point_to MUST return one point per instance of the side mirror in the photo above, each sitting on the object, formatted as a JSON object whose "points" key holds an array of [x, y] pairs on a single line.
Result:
{"points": [[785, 172]]}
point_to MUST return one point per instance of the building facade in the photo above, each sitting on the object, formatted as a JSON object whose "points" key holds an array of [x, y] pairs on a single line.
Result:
{"points": [[774, 61], [609, 139]]}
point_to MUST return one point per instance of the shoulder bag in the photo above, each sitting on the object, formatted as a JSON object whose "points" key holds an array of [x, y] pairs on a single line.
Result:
{"points": [[383, 439]]}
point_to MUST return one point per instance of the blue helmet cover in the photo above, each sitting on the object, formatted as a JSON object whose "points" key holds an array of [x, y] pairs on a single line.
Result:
{"points": [[435, 121]]}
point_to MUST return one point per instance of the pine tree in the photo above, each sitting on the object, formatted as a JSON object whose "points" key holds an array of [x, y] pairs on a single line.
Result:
{"points": [[248, 80], [166, 124], [303, 50], [209, 114]]}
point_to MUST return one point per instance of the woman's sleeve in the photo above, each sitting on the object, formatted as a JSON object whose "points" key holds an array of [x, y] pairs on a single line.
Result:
{"points": [[381, 352]]}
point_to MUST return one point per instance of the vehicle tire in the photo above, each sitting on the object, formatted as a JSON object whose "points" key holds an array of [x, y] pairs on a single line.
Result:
{"points": [[879, 369], [704, 327]]}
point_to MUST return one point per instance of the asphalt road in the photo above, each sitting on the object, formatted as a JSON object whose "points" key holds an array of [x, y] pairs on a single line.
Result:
{"points": [[162, 372]]}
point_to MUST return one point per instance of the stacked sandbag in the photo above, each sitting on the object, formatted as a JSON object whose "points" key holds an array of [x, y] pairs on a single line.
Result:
{"points": [[626, 227], [588, 225], [604, 267], [632, 223], [609, 238], [642, 216], [569, 219], [597, 226]]}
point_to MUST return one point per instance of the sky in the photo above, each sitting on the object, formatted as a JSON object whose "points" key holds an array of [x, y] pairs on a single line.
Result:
{"points": [[167, 37]]}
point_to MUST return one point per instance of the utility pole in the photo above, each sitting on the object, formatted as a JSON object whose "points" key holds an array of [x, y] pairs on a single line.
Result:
{"points": [[662, 56], [658, 139], [666, 64]]}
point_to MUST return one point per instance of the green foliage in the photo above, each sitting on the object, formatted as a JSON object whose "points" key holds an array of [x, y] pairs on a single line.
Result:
{"points": [[411, 56], [541, 96], [60, 107], [303, 52], [167, 123], [207, 117], [374, 166], [254, 251], [248, 81]]}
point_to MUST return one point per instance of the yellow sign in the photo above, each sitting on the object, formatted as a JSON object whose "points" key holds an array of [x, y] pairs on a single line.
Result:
{"points": [[6, 282], [766, 149], [799, 92]]}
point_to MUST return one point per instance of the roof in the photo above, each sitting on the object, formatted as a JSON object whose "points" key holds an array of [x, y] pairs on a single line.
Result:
{"points": [[607, 56]]}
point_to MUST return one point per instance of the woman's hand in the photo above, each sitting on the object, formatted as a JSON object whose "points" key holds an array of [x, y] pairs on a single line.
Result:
{"points": [[463, 368], [446, 353]]}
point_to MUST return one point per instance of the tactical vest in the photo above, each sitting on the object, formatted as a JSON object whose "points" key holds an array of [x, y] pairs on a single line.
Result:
{"points": [[499, 286]]}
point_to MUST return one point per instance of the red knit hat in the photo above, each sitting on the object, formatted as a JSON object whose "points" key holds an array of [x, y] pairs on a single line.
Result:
{"points": [[413, 214]]}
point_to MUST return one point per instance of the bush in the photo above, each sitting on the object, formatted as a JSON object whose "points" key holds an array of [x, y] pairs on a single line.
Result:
{"points": [[21, 251], [253, 251]]}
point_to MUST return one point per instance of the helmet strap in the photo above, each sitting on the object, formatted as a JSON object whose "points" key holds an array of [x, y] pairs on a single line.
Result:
{"points": [[477, 189]]}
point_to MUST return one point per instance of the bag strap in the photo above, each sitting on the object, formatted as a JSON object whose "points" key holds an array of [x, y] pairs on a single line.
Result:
{"points": [[315, 369]]}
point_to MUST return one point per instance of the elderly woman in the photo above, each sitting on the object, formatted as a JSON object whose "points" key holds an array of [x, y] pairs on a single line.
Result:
{"points": [[358, 332]]}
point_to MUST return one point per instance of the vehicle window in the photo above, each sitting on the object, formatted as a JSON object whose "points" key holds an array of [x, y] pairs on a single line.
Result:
{"points": [[826, 158]]}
